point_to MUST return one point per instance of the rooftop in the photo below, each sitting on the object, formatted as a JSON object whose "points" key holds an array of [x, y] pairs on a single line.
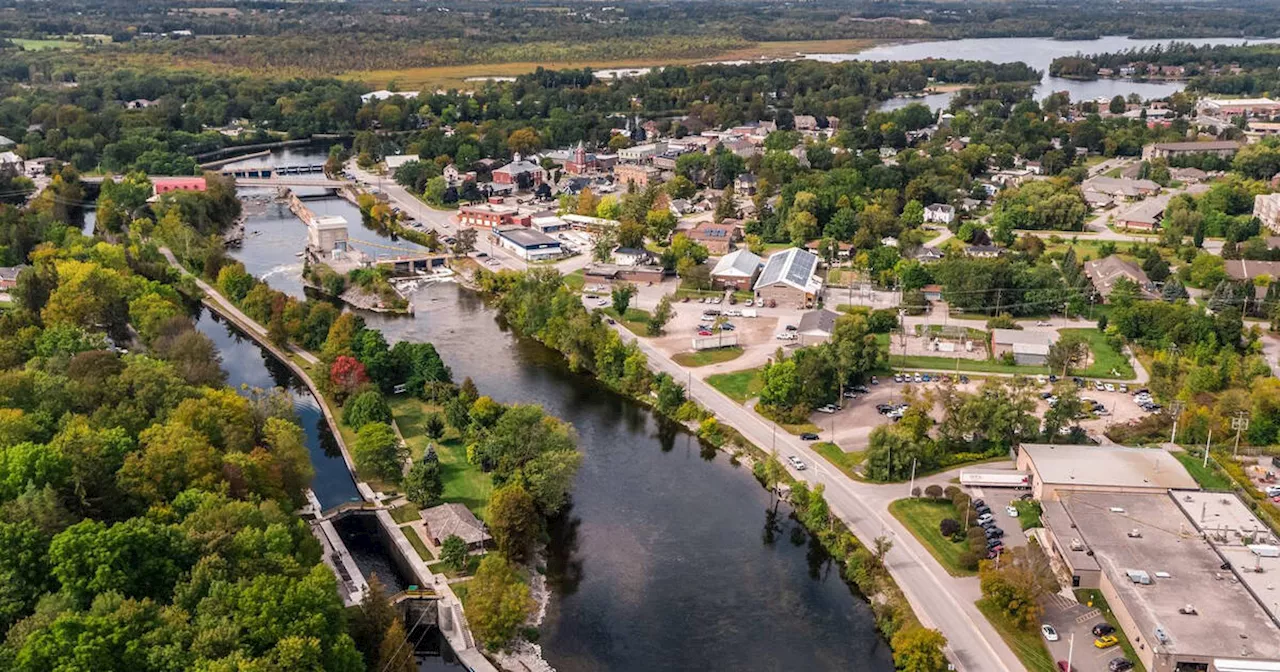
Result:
{"points": [[1212, 145], [1021, 337], [330, 222], [794, 267], [818, 322], [1106, 271], [527, 237], [1245, 269], [1107, 466], [455, 519], [1149, 533], [739, 263]]}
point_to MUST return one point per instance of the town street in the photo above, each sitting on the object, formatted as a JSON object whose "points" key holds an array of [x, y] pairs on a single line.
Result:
{"points": [[940, 600]]}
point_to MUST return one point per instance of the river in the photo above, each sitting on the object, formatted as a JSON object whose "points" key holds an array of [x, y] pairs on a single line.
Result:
{"points": [[1036, 52], [668, 557]]}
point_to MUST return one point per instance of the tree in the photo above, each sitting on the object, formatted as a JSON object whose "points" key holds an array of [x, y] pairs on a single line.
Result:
{"points": [[373, 618], [1017, 585], [661, 315], [523, 141], [497, 602], [378, 450], [346, 375], [727, 207], [434, 190], [948, 527], [1117, 105], [433, 425], [465, 241], [395, 654], [453, 552], [622, 298], [365, 408], [1071, 349], [917, 649], [513, 520], [423, 484]]}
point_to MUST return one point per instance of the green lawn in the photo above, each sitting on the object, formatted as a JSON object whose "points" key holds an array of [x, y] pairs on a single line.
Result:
{"points": [[1089, 596], [473, 563], [1209, 478], [636, 320], [705, 357], [1027, 645], [845, 462], [1106, 359], [1028, 514], [738, 385], [464, 482], [41, 45], [575, 280], [417, 543], [406, 513], [922, 517], [944, 364]]}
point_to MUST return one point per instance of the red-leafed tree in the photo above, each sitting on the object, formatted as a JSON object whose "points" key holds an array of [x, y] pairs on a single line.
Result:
{"points": [[346, 375]]}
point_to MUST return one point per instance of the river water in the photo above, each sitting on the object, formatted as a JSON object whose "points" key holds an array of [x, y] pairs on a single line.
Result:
{"points": [[1036, 52], [669, 557]]}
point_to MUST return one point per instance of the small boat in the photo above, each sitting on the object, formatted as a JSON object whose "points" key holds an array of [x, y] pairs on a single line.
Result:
{"points": [[297, 254]]}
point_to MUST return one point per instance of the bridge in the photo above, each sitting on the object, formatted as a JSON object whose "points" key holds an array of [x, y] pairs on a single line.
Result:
{"points": [[273, 171], [414, 593], [284, 181]]}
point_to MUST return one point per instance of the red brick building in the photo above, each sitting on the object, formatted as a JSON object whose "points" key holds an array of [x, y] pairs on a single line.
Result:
{"points": [[491, 216], [162, 185]]}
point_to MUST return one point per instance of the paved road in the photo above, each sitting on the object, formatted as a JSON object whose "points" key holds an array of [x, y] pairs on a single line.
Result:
{"points": [[942, 601]]}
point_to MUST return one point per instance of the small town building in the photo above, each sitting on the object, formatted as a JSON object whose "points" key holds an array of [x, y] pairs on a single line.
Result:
{"points": [[521, 173], [491, 216], [736, 270], [528, 244], [327, 235], [1224, 108], [1266, 207], [581, 162], [611, 273], [642, 153], [9, 277], [926, 254], [1106, 271], [164, 185], [632, 256], [1060, 469], [1029, 348], [1120, 187], [932, 293], [383, 94], [6, 143], [984, 251], [745, 184], [719, 238], [940, 213], [790, 279], [1145, 216], [1167, 150], [548, 223], [396, 160], [626, 174], [1247, 269], [455, 520], [816, 326]]}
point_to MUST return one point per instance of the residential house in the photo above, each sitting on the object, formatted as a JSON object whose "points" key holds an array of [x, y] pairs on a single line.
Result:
{"points": [[1266, 207], [9, 277], [1144, 216], [932, 293], [719, 238], [6, 143], [806, 122], [1107, 271], [521, 173], [926, 254], [455, 520], [745, 184], [139, 104], [984, 251], [615, 273], [1188, 175], [940, 213], [455, 178], [790, 278], [162, 185], [1029, 348], [816, 326], [736, 270], [1245, 269], [1120, 187], [383, 94]]}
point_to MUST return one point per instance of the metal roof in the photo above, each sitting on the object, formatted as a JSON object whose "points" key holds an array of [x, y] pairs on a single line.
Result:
{"points": [[794, 267], [739, 263]]}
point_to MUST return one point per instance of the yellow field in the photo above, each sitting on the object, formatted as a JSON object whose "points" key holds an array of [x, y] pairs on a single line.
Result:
{"points": [[455, 76]]}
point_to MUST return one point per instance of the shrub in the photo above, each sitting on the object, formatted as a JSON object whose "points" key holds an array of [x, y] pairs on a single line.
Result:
{"points": [[949, 527], [934, 491], [365, 408], [915, 492]]}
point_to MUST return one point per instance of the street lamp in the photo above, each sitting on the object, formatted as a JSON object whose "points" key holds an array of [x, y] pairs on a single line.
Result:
{"points": [[1239, 423]]}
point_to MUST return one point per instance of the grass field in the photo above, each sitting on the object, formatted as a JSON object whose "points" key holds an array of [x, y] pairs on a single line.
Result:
{"points": [[922, 517], [464, 482], [416, 542], [945, 364], [447, 76], [739, 385], [406, 513], [1028, 514], [1089, 596], [1027, 645], [575, 280], [1106, 359], [636, 321], [1210, 478], [42, 45], [705, 357], [845, 462], [473, 563]]}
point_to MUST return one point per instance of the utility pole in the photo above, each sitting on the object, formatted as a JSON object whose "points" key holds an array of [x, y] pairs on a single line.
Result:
{"points": [[1176, 408], [1071, 648], [1206, 448], [912, 488], [1239, 423]]}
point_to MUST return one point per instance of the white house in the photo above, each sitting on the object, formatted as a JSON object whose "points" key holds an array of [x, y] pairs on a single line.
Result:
{"points": [[940, 213]]}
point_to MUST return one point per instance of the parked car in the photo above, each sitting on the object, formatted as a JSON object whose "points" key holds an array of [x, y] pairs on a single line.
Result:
{"points": [[808, 436], [897, 377], [1064, 667], [861, 389], [993, 551], [1120, 665], [1106, 641], [978, 503], [850, 394], [1124, 388], [1110, 387], [1013, 512], [917, 377], [1273, 490], [925, 378], [797, 463], [1043, 323], [827, 409], [883, 408], [1102, 629], [875, 380], [1049, 633], [704, 332], [985, 518], [994, 532], [790, 327], [727, 326], [749, 303]]}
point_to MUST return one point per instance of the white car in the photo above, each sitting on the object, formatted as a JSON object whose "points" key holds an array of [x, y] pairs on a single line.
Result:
{"points": [[1110, 387], [1049, 633], [1013, 513], [797, 463], [1043, 323], [603, 302], [829, 408]]}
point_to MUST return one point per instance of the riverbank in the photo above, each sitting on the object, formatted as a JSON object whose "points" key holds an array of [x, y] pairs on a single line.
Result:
{"points": [[458, 636]]}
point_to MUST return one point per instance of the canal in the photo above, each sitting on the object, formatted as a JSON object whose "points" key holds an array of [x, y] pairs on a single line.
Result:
{"points": [[668, 557]]}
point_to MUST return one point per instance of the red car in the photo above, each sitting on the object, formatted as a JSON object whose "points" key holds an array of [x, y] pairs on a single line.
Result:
{"points": [[704, 332], [1063, 667]]}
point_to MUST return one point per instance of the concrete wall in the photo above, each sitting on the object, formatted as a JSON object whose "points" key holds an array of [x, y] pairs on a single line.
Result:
{"points": [[786, 296]]}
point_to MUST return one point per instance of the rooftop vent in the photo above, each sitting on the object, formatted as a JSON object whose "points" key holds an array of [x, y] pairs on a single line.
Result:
{"points": [[1163, 575], [1188, 610], [1135, 533], [1077, 545], [1117, 509], [1139, 576]]}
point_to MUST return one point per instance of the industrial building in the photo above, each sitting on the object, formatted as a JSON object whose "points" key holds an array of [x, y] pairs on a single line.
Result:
{"points": [[1056, 468], [1029, 348], [528, 244], [790, 279]]}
